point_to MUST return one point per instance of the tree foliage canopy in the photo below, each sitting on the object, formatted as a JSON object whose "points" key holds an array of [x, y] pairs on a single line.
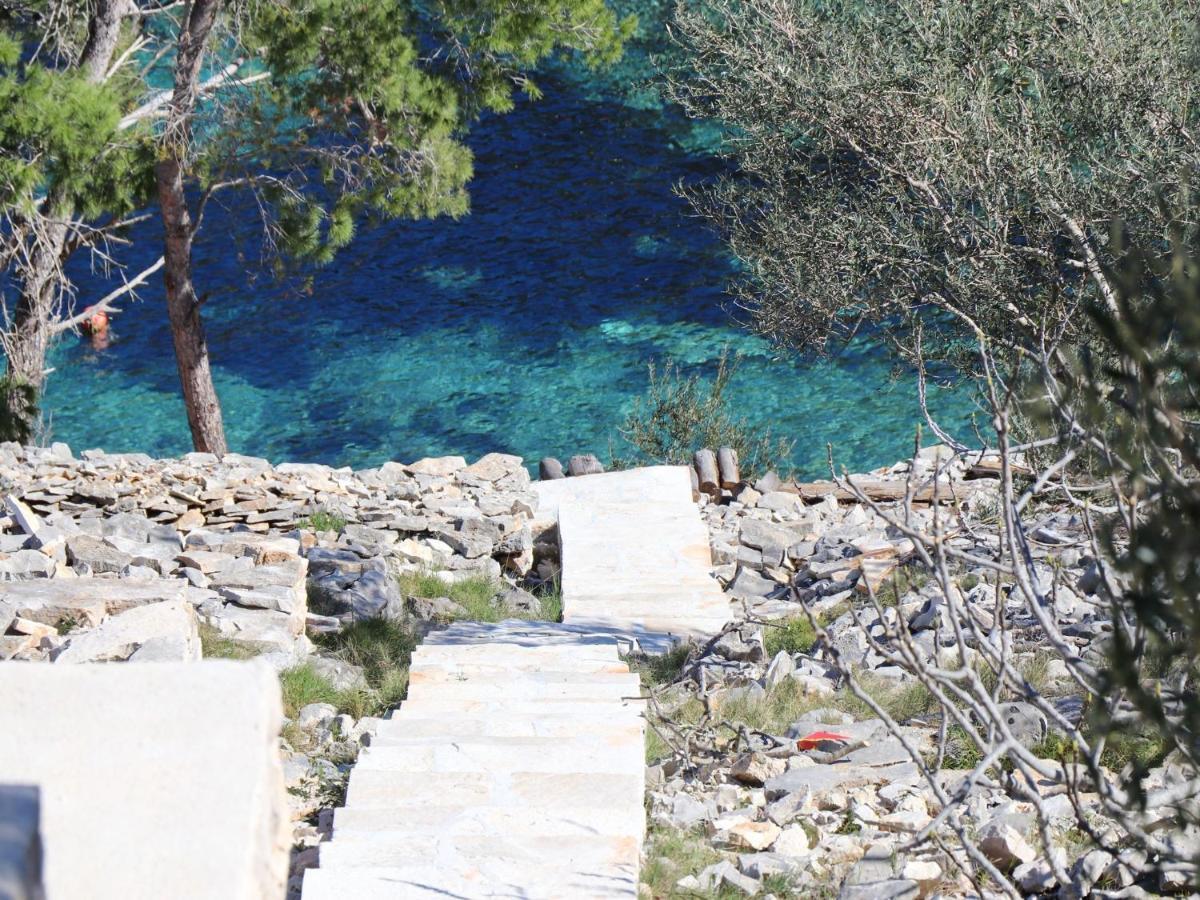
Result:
{"points": [[898, 156]]}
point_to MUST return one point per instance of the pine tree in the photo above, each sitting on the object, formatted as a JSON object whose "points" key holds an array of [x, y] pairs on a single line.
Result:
{"points": [[334, 113]]}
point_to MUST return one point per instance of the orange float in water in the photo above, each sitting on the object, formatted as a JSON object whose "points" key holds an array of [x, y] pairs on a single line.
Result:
{"points": [[95, 324]]}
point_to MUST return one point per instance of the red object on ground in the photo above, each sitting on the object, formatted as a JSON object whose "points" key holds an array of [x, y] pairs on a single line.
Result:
{"points": [[814, 740]]}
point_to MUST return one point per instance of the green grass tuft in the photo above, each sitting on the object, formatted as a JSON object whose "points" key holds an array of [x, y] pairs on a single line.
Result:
{"points": [[477, 595], [659, 669], [792, 636], [323, 520], [214, 645], [379, 646], [670, 854], [303, 685]]}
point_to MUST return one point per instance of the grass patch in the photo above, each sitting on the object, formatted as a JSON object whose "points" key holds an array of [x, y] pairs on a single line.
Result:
{"points": [[1055, 745], [660, 669], [214, 645], [961, 752], [1144, 751], [383, 650], [779, 708], [303, 685], [379, 646], [474, 594], [791, 635], [797, 634], [968, 582], [323, 520], [550, 597], [903, 581], [670, 854], [477, 595]]}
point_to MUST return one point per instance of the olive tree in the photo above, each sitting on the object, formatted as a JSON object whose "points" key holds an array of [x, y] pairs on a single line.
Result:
{"points": [[901, 163]]}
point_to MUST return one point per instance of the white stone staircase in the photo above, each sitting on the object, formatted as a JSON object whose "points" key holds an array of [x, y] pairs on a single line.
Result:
{"points": [[514, 769], [516, 766]]}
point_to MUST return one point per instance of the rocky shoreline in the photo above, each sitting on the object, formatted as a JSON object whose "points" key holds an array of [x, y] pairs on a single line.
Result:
{"points": [[120, 557]]}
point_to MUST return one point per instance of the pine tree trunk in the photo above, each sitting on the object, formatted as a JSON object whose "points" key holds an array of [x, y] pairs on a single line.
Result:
{"points": [[183, 311], [183, 306], [41, 278]]}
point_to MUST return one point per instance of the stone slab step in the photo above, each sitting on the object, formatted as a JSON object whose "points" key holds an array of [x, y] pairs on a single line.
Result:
{"points": [[521, 691], [603, 756], [532, 635], [593, 852], [535, 790], [565, 669], [449, 727], [481, 882], [561, 821], [586, 707], [679, 627]]}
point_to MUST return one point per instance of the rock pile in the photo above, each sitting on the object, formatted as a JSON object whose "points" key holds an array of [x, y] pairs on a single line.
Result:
{"points": [[87, 543], [804, 785]]}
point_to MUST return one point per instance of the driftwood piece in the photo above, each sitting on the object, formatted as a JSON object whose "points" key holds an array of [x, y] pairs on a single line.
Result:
{"points": [[705, 464], [881, 489], [727, 468]]}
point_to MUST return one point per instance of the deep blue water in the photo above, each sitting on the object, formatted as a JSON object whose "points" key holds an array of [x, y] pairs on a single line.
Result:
{"points": [[525, 327]]}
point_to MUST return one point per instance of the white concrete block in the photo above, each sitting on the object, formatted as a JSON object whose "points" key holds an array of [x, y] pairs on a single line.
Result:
{"points": [[159, 780]]}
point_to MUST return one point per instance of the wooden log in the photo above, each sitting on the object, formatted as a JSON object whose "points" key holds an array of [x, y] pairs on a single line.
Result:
{"points": [[883, 490], [705, 464], [584, 464], [727, 468], [549, 469], [695, 485]]}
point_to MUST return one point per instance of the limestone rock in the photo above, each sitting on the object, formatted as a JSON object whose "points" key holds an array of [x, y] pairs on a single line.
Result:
{"points": [[756, 768], [1004, 845], [168, 629], [440, 466]]}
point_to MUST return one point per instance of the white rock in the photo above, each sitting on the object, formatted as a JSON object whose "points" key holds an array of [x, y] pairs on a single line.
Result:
{"points": [[792, 841], [1004, 845], [167, 630]]}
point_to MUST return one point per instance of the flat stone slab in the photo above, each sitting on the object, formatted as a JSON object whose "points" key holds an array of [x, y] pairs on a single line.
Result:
{"points": [[156, 632], [87, 600], [155, 780], [635, 556], [651, 485]]}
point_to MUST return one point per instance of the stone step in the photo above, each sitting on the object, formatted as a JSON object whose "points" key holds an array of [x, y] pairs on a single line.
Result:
{"points": [[680, 626], [604, 756], [536, 790], [566, 670], [519, 690], [595, 852], [495, 880], [557, 725], [584, 708], [560, 821], [530, 635]]}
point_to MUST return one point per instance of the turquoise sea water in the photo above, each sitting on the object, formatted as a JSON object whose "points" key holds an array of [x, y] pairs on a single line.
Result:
{"points": [[525, 327]]}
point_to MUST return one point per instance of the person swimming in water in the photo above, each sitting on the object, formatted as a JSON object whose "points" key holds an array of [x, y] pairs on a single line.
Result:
{"points": [[95, 326]]}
